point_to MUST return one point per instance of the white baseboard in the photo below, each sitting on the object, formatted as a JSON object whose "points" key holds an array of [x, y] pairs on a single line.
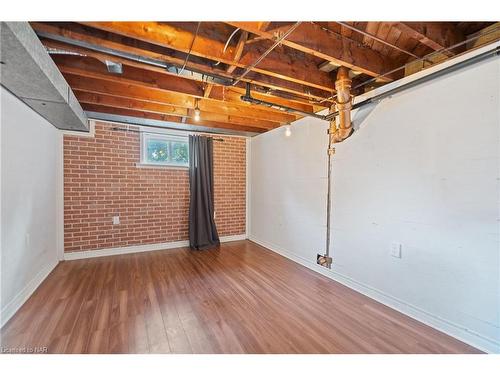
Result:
{"points": [[236, 237], [11, 308], [139, 248], [452, 329]]}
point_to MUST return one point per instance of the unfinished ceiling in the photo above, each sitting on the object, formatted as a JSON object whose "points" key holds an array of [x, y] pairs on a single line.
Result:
{"points": [[171, 71]]}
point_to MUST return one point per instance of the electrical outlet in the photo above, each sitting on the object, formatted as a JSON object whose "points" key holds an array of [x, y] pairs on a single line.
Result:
{"points": [[116, 220], [396, 249]]}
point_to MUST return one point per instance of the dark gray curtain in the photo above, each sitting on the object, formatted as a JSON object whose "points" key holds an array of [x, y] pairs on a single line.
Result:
{"points": [[202, 231]]}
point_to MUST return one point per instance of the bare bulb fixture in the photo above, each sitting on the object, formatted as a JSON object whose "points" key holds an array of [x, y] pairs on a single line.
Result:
{"points": [[197, 112], [288, 130]]}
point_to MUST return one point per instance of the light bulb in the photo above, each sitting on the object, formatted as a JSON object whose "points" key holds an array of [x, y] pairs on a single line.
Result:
{"points": [[196, 114], [288, 130]]}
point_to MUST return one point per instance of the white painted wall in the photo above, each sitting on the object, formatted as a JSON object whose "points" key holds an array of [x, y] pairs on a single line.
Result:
{"points": [[422, 170], [31, 198]]}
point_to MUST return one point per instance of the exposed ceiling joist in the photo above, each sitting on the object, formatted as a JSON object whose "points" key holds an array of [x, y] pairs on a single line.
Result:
{"points": [[207, 90], [152, 107], [286, 67], [302, 71], [238, 50], [148, 93], [435, 35], [75, 33], [185, 101], [313, 40], [223, 93], [94, 69], [163, 117]]}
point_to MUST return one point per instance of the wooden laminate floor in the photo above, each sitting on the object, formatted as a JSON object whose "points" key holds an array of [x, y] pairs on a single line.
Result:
{"points": [[241, 298]]}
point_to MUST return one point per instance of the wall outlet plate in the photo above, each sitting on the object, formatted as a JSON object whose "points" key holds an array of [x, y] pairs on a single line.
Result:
{"points": [[116, 220], [396, 249]]}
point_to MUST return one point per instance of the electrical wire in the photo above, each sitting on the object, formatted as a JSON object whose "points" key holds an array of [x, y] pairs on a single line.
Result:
{"points": [[374, 37], [190, 48], [227, 43], [275, 44]]}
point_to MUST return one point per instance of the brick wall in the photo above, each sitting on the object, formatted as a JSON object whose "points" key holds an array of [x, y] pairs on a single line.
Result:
{"points": [[101, 180]]}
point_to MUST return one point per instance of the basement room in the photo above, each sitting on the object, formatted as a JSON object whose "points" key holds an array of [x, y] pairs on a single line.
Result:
{"points": [[294, 183]]}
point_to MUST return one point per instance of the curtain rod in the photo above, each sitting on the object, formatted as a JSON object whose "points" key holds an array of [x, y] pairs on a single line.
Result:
{"points": [[149, 132]]}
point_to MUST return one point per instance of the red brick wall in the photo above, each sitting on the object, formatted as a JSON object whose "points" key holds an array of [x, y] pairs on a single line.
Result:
{"points": [[101, 180]]}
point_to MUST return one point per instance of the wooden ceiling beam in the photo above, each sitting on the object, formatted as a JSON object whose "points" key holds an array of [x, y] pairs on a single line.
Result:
{"points": [[168, 118], [79, 33], [207, 90], [314, 40], [238, 50], [155, 95], [173, 84], [292, 101], [435, 35], [279, 65], [95, 69], [146, 106], [263, 25]]}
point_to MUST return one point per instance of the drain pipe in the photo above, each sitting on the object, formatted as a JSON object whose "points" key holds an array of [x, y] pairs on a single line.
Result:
{"points": [[331, 116], [450, 69], [341, 125], [339, 130]]}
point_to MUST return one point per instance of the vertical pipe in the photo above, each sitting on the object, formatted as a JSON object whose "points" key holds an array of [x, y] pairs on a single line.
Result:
{"points": [[328, 203], [343, 105]]}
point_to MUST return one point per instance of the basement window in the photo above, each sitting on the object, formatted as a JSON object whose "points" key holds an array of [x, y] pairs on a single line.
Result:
{"points": [[164, 150]]}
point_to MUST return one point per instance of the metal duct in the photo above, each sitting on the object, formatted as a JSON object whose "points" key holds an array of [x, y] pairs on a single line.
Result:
{"points": [[210, 78], [56, 51], [114, 67]]}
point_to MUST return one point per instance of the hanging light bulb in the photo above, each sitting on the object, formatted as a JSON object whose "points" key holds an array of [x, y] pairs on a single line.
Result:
{"points": [[288, 130], [196, 112]]}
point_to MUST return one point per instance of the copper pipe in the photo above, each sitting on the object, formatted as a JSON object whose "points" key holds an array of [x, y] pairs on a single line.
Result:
{"points": [[227, 43], [341, 129], [473, 60], [425, 58]]}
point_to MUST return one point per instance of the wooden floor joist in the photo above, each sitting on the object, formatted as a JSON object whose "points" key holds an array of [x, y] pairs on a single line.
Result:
{"points": [[155, 95], [182, 62], [313, 40], [158, 108], [144, 115], [277, 65], [76, 32]]}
